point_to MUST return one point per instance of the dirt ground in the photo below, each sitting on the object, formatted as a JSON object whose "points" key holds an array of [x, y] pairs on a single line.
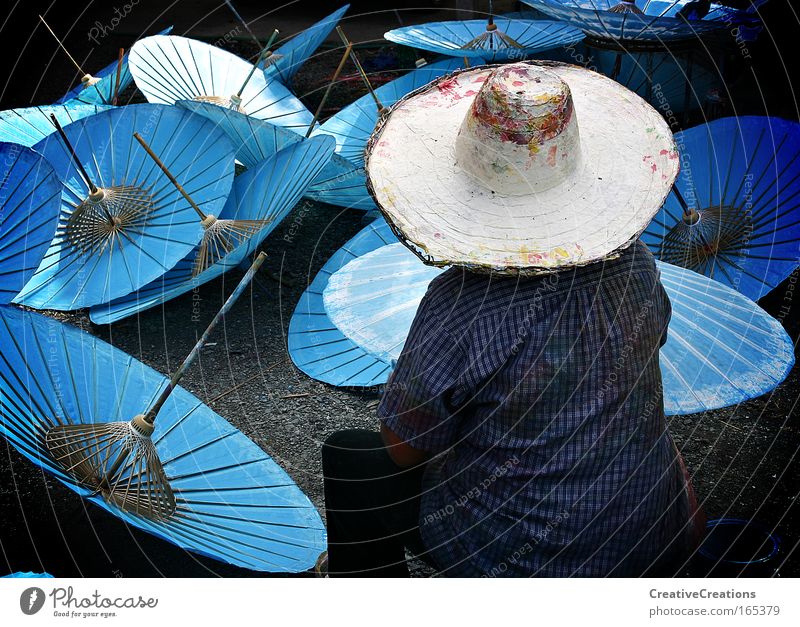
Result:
{"points": [[744, 459]]}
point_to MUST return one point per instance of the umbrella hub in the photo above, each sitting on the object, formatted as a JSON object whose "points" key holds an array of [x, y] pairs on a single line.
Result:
{"points": [[707, 237], [221, 237], [88, 80], [270, 59], [491, 39], [106, 214], [626, 7], [117, 460], [221, 101]]}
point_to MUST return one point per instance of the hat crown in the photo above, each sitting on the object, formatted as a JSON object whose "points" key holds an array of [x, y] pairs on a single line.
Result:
{"points": [[520, 135]]}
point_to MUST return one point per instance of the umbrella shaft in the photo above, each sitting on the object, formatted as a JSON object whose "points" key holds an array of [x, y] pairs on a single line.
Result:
{"points": [[261, 57], [322, 102], [150, 415], [75, 160], [360, 69]]}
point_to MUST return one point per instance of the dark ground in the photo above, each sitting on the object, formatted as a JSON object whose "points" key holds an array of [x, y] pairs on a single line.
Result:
{"points": [[743, 459]]}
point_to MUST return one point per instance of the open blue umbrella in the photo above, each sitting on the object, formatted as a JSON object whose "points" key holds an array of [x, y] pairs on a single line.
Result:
{"points": [[27, 575], [499, 39], [123, 223], [316, 345], [642, 20], [267, 191], [670, 81], [352, 126], [722, 349], [170, 68], [284, 62], [735, 216], [104, 85], [30, 201], [30, 125], [339, 183], [229, 499]]}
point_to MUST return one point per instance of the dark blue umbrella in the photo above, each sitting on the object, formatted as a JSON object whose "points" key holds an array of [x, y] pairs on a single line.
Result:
{"points": [[266, 192], [339, 183], [123, 223], [499, 39], [352, 126], [352, 322], [30, 201], [642, 20], [31, 125], [214, 491], [735, 216]]}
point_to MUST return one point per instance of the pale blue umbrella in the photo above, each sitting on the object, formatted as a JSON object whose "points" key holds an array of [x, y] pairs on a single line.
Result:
{"points": [[266, 192], [722, 349], [339, 183], [30, 202], [30, 125], [123, 223], [169, 68], [229, 499]]}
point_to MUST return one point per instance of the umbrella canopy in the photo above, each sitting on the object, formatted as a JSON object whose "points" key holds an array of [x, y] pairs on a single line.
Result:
{"points": [[30, 193], [284, 62], [352, 126], [234, 503], [103, 90], [31, 125], [170, 68], [722, 349], [644, 20], [267, 191], [668, 81], [741, 187], [464, 38], [339, 183], [316, 345], [138, 225]]}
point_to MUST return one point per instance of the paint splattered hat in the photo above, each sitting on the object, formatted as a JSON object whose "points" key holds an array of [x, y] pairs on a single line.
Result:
{"points": [[520, 168]]}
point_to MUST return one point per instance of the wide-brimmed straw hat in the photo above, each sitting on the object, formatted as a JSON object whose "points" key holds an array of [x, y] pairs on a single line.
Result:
{"points": [[520, 168]]}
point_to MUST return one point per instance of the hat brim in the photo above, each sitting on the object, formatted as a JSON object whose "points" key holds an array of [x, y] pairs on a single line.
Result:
{"points": [[629, 163]]}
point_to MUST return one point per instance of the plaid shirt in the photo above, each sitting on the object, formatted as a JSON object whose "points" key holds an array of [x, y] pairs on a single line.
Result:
{"points": [[544, 398]]}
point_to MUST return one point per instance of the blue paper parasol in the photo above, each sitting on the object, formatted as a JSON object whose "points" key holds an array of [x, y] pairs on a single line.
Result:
{"points": [[31, 125], [316, 345], [267, 191], [644, 20], [231, 501], [473, 38], [103, 86], [722, 349], [339, 183], [136, 226], [30, 200], [284, 62], [352, 126], [741, 187], [167, 69]]}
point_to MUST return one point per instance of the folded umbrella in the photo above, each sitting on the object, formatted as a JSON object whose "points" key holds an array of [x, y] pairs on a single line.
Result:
{"points": [[212, 490], [170, 68], [353, 321], [30, 201], [30, 125], [266, 192], [339, 183], [735, 213], [123, 223]]}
